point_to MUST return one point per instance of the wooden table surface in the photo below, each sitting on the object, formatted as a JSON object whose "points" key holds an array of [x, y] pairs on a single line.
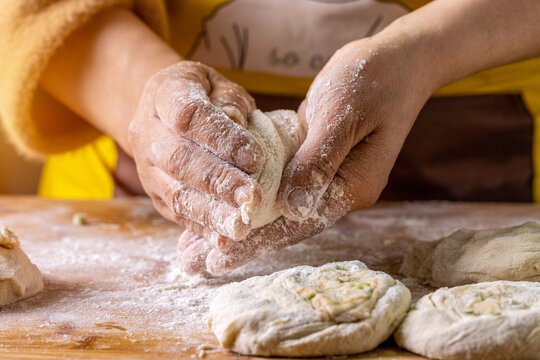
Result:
{"points": [[112, 289]]}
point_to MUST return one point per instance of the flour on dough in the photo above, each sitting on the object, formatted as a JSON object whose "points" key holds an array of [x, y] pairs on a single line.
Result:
{"points": [[469, 256], [280, 135], [490, 320], [19, 278], [335, 309]]}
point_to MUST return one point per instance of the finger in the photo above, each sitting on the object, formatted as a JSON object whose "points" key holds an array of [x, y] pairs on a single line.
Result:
{"points": [[283, 232], [368, 165], [193, 259], [307, 176], [302, 111], [186, 109], [197, 167], [357, 184], [231, 98], [201, 208], [187, 238], [193, 230]]}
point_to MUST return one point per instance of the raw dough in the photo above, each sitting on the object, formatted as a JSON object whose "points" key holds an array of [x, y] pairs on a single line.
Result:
{"points": [[19, 278], [335, 309], [469, 256], [491, 320], [280, 135]]}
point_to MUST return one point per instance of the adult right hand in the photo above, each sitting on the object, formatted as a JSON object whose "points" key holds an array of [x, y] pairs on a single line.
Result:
{"points": [[193, 152]]}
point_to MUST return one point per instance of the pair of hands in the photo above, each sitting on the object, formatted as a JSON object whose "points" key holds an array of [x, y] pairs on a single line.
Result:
{"points": [[188, 135], [194, 154]]}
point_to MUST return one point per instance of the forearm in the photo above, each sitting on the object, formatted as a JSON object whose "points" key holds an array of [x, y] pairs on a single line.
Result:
{"points": [[101, 70], [455, 38]]}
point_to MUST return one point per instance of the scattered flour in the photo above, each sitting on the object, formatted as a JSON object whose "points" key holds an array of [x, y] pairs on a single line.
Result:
{"points": [[117, 275]]}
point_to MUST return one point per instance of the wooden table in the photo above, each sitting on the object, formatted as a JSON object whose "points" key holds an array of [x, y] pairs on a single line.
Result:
{"points": [[111, 289]]}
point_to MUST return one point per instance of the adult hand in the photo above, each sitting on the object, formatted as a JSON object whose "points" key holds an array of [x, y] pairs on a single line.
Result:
{"points": [[193, 152], [198, 255], [358, 111]]}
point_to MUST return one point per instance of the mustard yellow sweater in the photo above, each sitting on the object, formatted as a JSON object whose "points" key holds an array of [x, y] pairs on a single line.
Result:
{"points": [[31, 31]]}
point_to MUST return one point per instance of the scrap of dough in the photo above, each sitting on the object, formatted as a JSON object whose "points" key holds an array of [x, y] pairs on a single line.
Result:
{"points": [[336, 309], [280, 135], [490, 320], [19, 278], [469, 256]]}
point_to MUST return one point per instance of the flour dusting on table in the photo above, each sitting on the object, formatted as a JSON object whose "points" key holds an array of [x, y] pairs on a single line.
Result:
{"points": [[117, 274]]}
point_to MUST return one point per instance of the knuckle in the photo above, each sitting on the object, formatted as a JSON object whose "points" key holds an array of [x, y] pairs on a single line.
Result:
{"points": [[321, 172], [175, 196], [177, 200], [182, 114], [206, 218], [242, 96], [220, 181], [234, 114], [180, 158], [227, 138]]}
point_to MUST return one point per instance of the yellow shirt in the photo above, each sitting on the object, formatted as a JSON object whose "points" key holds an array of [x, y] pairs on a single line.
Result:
{"points": [[276, 47]]}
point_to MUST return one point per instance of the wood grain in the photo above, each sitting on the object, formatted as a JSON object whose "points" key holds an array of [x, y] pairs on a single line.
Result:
{"points": [[102, 279]]}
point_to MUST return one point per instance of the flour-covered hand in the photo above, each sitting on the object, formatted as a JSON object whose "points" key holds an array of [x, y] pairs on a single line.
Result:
{"points": [[358, 112], [197, 255], [193, 153]]}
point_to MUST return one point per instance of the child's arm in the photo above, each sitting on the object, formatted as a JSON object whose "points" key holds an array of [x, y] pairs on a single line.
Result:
{"points": [[172, 116], [101, 70]]}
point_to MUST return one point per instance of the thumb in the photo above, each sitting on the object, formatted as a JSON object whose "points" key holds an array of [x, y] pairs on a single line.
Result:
{"points": [[310, 172]]}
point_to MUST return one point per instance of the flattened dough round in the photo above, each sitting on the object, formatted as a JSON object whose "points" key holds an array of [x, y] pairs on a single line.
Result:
{"points": [[469, 256], [19, 278], [335, 309], [490, 320]]}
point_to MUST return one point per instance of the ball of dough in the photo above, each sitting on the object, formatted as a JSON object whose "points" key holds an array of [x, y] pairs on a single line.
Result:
{"points": [[280, 135], [335, 309], [469, 256], [19, 278], [491, 320]]}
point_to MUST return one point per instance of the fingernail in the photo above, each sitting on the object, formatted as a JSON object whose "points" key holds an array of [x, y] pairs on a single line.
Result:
{"points": [[243, 194], [245, 157], [234, 227], [298, 202], [231, 226], [222, 243]]}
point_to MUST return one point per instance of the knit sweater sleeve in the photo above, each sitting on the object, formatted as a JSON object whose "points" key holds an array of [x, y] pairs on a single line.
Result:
{"points": [[32, 30]]}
